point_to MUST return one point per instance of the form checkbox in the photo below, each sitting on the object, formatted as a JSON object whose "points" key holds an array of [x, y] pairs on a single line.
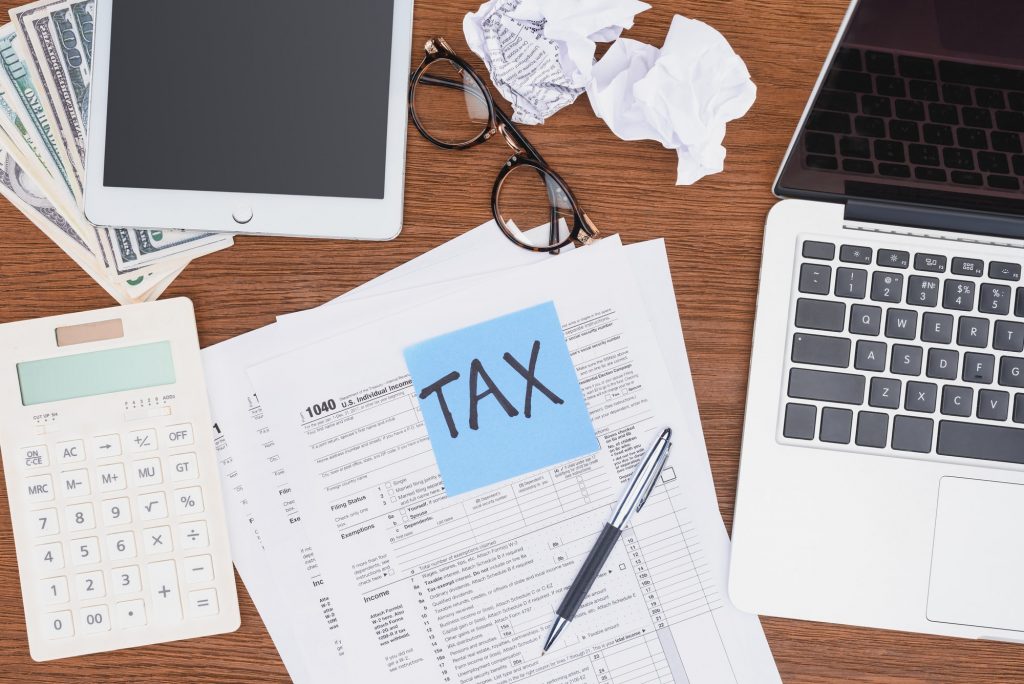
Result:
{"points": [[668, 475]]}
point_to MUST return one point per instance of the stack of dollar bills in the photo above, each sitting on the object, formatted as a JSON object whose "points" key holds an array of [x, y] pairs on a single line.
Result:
{"points": [[46, 54]]}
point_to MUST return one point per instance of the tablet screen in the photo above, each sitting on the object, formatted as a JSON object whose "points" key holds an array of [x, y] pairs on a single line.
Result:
{"points": [[250, 96]]}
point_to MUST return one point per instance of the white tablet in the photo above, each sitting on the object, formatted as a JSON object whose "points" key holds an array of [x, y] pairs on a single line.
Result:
{"points": [[255, 116]]}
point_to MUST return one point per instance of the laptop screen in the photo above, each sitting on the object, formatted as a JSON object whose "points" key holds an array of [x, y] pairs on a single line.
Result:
{"points": [[923, 103]]}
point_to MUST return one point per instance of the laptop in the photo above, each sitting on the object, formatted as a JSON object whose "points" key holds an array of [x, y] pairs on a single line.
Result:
{"points": [[882, 473]]}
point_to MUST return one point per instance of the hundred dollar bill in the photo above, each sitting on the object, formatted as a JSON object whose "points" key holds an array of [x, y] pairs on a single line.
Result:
{"points": [[16, 78], [57, 58]]}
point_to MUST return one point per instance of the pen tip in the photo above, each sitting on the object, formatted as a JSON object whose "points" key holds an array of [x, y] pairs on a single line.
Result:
{"points": [[543, 652]]}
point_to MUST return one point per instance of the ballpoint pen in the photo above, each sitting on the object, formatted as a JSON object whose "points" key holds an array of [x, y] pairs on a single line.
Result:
{"points": [[633, 499]]}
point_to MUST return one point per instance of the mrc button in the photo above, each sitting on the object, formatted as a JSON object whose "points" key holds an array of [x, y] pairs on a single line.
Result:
{"points": [[177, 435]]}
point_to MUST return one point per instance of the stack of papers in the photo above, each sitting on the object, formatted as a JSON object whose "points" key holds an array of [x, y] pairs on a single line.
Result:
{"points": [[363, 566]]}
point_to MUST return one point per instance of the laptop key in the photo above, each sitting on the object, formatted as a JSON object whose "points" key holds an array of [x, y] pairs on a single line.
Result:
{"points": [[910, 110], [1010, 121], [834, 388], [942, 114], [917, 67], [1006, 142], [906, 360], [956, 94], [956, 158], [1016, 101], [973, 332], [987, 442], [943, 364], [976, 117], [800, 422], [957, 401], [1003, 182], [847, 58], [993, 162], [850, 146], [854, 81], [937, 328], [901, 324], [828, 122], [879, 62], [1011, 372], [885, 393], [958, 295], [815, 279], [820, 350], [816, 314], [921, 397], [894, 170], [851, 283], [819, 250], [1019, 309], [967, 178], [872, 429], [937, 134], [904, 130], [1018, 409], [928, 174], [858, 166], [924, 90], [890, 86], [979, 368], [873, 105], [923, 291], [990, 99], [1009, 336], [995, 299], [887, 287], [889, 151], [935, 263], [854, 254], [912, 434], [870, 356], [871, 126], [865, 320], [1001, 270], [893, 258], [925, 154], [817, 161], [837, 101], [974, 138], [836, 425], [993, 405], [968, 267]]}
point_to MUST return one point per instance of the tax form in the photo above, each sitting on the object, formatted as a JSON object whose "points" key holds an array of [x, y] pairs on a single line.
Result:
{"points": [[461, 589], [273, 555]]}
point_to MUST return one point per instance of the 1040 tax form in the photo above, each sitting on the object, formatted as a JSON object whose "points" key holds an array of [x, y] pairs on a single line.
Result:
{"points": [[461, 589]]}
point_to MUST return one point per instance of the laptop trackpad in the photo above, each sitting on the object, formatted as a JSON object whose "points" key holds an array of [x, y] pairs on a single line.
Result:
{"points": [[978, 555]]}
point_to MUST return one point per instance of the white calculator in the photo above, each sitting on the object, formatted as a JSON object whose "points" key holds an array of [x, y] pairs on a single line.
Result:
{"points": [[112, 481]]}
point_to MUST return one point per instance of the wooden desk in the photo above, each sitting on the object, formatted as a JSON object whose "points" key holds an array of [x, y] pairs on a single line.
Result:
{"points": [[714, 236]]}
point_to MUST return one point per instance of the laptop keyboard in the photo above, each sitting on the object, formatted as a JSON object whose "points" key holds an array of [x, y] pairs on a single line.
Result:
{"points": [[903, 116], [912, 352]]}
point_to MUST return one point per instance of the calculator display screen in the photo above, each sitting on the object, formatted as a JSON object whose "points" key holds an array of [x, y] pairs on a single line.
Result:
{"points": [[95, 373]]}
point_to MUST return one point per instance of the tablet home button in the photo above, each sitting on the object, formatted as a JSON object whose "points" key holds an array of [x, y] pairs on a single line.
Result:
{"points": [[242, 215]]}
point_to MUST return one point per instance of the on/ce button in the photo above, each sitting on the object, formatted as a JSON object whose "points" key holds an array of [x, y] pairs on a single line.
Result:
{"points": [[178, 435]]}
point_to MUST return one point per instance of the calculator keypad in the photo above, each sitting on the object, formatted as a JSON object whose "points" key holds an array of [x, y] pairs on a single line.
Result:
{"points": [[109, 575]]}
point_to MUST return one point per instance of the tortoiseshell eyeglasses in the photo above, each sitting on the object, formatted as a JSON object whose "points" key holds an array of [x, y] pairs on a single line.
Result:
{"points": [[452, 108]]}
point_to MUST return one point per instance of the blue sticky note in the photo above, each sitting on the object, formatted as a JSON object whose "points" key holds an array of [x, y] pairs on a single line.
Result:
{"points": [[500, 399]]}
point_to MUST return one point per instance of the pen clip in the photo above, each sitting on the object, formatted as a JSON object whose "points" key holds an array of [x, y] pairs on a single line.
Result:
{"points": [[655, 474]]}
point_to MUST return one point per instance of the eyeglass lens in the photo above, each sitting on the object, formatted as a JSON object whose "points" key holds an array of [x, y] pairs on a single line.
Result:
{"points": [[450, 104], [526, 198]]}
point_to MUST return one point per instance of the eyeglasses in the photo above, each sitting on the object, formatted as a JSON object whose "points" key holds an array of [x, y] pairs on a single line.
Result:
{"points": [[452, 108]]}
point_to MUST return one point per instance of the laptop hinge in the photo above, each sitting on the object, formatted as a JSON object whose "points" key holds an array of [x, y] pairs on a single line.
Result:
{"points": [[973, 226]]}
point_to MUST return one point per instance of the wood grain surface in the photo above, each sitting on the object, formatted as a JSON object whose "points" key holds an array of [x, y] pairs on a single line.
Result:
{"points": [[713, 230]]}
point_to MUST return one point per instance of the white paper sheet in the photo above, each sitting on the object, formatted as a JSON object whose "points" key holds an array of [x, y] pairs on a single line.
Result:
{"points": [[681, 95], [693, 633]]}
